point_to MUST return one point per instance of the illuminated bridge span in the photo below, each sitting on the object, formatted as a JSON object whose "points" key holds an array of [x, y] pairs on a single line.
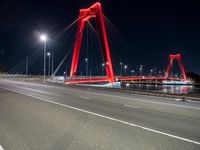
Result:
{"points": [[128, 78], [95, 11]]}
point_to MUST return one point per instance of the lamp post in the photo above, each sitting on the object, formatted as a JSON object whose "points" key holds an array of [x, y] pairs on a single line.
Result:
{"points": [[86, 72], [64, 74], [159, 72], [154, 71], [52, 64], [26, 65], [103, 65], [151, 72], [121, 68], [90, 74], [49, 55], [125, 67], [141, 70], [43, 38], [132, 72]]}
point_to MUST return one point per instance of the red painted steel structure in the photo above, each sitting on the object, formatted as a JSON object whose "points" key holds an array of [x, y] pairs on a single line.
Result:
{"points": [[170, 61], [95, 11], [129, 78]]}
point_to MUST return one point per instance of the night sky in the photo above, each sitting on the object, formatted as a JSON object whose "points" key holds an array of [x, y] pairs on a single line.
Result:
{"points": [[148, 32]]}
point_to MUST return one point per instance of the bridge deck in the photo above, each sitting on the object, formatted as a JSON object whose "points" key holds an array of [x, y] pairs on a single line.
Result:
{"points": [[77, 80]]}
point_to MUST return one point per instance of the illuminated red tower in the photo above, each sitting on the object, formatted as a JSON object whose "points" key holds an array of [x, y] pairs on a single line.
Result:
{"points": [[170, 61], [95, 11]]}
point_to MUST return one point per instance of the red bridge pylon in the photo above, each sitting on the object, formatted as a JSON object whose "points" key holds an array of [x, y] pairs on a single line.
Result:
{"points": [[95, 11], [170, 61]]}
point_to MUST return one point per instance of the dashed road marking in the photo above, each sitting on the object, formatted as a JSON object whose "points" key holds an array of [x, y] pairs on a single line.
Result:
{"points": [[84, 97], [146, 101], [178, 99], [132, 106]]}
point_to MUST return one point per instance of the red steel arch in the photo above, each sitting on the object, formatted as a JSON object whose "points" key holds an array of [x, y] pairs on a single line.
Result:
{"points": [[170, 61], [95, 11]]}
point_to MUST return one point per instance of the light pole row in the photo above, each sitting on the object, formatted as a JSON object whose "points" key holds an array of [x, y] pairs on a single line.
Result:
{"points": [[86, 73], [44, 39], [121, 68]]}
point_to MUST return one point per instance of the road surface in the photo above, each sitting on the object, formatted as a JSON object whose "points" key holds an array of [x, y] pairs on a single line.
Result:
{"points": [[46, 117]]}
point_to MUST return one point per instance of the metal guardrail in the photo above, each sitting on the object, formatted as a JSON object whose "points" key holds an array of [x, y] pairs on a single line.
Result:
{"points": [[184, 90]]}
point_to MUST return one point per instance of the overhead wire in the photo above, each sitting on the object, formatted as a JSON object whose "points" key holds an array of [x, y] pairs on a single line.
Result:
{"points": [[97, 45], [118, 37]]}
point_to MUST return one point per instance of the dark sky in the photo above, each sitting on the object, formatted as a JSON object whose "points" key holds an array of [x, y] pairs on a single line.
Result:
{"points": [[150, 30]]}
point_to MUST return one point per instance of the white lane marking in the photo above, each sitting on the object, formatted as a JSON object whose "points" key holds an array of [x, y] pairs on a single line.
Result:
{"points": [[132, 106], [106, 117], [178, 99], [1, 148], [142, 100], [84, 97]]}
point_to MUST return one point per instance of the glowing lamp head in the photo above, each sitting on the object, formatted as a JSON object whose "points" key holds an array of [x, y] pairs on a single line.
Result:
{"points": [[43, 37], [125, 67], [48, 54]]}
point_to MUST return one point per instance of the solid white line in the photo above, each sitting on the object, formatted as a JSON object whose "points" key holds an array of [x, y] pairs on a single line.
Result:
{"points": [[1, 148], [132, 106], [106, 117]]}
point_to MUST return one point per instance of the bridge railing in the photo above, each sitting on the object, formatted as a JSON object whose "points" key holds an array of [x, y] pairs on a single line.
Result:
{"points": [[159, 88]]}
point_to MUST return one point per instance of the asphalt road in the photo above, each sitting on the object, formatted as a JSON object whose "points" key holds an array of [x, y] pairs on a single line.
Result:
{"points": [[45, 117]]}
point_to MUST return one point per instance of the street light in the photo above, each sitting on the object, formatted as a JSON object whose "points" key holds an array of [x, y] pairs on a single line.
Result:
{"points": [[121, 68], [154, 71], [151, 70], [90, 74], [52, 65], [132, 72], [141, 70], [103, 65], [86, 60], [64, 74], [43, 38], [159, 72], [125, 67], [49, 55]]}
